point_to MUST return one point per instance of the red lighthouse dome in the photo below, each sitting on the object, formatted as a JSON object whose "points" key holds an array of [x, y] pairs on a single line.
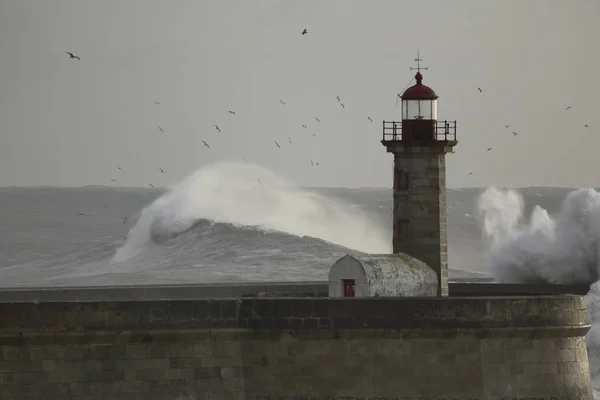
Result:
{"points": [[419, 91]]}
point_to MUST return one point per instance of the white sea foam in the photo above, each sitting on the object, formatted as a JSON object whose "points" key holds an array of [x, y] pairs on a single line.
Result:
{"points": [[251, 195], [552, 249]]}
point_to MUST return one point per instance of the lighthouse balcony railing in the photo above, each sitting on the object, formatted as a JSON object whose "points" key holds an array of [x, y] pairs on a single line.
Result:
{"points": [[438, 131]]}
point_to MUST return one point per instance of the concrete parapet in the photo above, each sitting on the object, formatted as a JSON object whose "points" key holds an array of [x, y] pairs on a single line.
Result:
{"points": [[293, 348], [481, 314]]}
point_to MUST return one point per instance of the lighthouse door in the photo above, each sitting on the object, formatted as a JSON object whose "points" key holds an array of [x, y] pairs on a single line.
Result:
{"points": [[348, 287]]}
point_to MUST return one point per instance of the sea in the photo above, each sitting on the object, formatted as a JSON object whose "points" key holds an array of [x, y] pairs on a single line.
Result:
{"points": [[235, 222]]}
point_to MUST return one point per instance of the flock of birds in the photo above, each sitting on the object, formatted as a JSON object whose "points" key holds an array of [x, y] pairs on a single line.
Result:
{"points": [[276, 143], [517, 133]]}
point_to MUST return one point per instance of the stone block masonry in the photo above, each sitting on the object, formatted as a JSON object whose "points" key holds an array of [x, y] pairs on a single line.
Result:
{"points": [[296, 348], [420, 201]]}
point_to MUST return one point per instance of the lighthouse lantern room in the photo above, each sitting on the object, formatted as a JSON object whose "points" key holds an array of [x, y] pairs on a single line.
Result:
{"points": [[419, 143]]}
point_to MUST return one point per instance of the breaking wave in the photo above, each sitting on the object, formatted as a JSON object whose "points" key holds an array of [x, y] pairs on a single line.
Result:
{"points": [[559, 249], [251, 196]]}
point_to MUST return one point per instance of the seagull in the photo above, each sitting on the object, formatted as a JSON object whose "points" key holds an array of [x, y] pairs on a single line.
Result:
{"points": [[112, 180], [151, 185], [160, 129], [71, 55], [317, 119], [304, 32], [106, 206], [317, 163], [232, 112], [156, 102], [304, 126], [515, 133], [244, 160], [470, 173], [80, 214], [282, 102], [206, 144], [312, 163], [586, 126], [568, 108], [507, 126], [119, 168], [125, 220], [480, 91], [290, 140], [489, 148], [217, 128], [258, 180], [277, 144], [161, 171], [342, 104], [338, 98], [369, 118]]}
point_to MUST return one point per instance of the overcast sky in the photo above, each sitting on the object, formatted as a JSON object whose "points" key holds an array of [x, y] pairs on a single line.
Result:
{"points": [[68, 122]]}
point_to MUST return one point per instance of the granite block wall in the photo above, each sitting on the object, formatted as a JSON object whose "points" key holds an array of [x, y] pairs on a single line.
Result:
{"points": [[296, 349]]}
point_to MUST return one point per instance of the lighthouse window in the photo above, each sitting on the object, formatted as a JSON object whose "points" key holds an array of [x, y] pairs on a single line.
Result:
{"points": [[401, 179], [402, 229], [419, 109]]}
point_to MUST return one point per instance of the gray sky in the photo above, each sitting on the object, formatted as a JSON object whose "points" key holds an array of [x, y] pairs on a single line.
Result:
{"points": [[69, 123]]}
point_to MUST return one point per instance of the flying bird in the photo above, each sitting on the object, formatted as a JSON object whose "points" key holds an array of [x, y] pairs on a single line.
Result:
{"points": [[290, 140], [515, 133], [312, 163], [232, 112], [206, 144], [112, 180], [317, 163], [80, 214], [342, 104], [317, 119], [568, 108], [125, 220], [277, 144], [470, 173], [338, 98], [160, 129], [244, 160], [156, 102], [71, 55], [304, 32], [507, 126], [217, 128], [119, 168], [161, 171], [489, 148], [258, 180], [282, 102], [151, 185], [369, 118], [480, 91], [304, 126], [586, 126]]}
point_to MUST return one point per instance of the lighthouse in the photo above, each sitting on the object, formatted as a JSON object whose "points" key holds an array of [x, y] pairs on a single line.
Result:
{"points": [[419, 143]]}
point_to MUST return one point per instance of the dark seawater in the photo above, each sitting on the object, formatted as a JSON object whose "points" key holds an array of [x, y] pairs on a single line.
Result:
{"points": [[44, 240]]}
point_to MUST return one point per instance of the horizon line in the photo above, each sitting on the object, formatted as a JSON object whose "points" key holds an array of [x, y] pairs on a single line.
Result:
{"points": [[302, 187]]}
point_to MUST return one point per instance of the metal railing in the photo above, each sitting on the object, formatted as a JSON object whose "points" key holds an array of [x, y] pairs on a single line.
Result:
{"points": [[444, 131]]}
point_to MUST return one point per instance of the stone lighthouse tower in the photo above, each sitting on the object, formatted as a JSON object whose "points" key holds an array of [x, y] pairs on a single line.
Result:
{"points": [[419, 143]]}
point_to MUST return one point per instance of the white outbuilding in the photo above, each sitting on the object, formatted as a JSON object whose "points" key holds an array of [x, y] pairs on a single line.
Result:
{"points": [[381, 275]]}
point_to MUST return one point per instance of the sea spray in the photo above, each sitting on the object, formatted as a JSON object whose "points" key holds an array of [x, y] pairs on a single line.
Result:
{"points": [[251, 195], [558, 249]]}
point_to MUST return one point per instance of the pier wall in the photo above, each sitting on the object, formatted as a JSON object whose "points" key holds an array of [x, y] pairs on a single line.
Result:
{"points": [[296, 348]]}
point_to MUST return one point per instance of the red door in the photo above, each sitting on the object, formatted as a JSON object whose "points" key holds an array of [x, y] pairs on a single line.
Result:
{"points": [[348, 286]]}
